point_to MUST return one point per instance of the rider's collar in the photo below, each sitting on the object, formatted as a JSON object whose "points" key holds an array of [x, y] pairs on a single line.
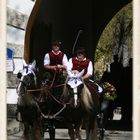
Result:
{"points": [[56, 53], [81, 60]]}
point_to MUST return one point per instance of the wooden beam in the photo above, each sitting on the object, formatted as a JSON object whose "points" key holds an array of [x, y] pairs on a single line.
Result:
{"points": [[29, 29]]}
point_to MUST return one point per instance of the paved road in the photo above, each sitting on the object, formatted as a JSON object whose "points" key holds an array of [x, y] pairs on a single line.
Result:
{"points": [[61, 134]]}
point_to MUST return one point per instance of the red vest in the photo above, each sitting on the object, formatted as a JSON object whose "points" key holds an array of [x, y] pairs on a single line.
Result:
{"points": [[56, 59], [80, 65]]}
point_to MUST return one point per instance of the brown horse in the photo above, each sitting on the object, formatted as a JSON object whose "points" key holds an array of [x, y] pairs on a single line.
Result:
{"points": [[82, 108], [27, 101]]}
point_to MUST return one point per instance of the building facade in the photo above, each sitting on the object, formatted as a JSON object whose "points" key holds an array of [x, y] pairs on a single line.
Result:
{"points": [[18, 13]]}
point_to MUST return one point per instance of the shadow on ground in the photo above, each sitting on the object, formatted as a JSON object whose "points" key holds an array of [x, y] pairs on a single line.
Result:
{"points": [[119, 125]]}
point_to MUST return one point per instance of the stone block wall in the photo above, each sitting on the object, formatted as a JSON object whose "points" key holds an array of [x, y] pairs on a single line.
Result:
{"points": [[18, 13]]}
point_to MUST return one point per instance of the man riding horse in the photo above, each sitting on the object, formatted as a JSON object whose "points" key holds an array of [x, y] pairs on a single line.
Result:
{"points": [[55, 62], [81, 93], [79, 63]]}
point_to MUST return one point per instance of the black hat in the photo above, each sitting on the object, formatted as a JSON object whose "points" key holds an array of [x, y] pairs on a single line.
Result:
{"points": [[56, 43], [81, 50]]}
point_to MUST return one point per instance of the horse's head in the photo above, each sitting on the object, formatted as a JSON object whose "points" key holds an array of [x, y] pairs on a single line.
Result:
{"points": [[75, 86], [27, 77]]}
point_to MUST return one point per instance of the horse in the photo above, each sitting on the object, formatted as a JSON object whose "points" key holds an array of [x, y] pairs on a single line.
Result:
{"points": [[53, 106], [28, 96], [82, 106]]}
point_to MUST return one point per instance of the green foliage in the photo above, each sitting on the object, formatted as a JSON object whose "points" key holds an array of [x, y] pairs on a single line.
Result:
{"points": [[104, 50]]}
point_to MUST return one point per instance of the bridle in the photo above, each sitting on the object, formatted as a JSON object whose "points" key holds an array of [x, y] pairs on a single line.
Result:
{"points": [[28, 71], [25, 86], [73, 83]]}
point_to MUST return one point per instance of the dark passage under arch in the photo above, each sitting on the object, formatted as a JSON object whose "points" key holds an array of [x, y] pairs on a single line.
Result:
{"points": [[61, 20]]}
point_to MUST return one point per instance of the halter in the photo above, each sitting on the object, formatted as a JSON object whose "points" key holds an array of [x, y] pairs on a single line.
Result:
{"points": [[74, 82], [28, 70], [75, 79]]}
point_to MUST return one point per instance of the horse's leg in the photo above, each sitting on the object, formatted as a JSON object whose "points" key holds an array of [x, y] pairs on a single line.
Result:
{"points": [[77, 131], [37, 130], [71, 131], [87, 129], [51, 130], [93, 133], [25, 135], [91, 129]]}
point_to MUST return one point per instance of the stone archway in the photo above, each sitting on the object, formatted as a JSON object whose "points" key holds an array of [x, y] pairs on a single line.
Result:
{"points": [[60, 20], [110, 42], [31, 20]]}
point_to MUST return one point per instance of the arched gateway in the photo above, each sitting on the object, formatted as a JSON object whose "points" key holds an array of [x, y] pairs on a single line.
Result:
{"points": [[60, 20]]}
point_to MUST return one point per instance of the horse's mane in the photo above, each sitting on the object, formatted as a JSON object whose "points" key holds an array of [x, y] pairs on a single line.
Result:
{"points": [[86, 97], [38, 78], [65, 89]]}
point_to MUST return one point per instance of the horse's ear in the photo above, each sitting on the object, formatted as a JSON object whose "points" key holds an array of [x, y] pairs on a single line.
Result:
{"points": [[70, 74], [80, 73], [24, 63], [34, 64]]}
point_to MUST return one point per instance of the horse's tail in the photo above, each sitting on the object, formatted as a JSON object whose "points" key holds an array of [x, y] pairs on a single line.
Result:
{"points": [[92, 135], [87, 98], [91, 131]]}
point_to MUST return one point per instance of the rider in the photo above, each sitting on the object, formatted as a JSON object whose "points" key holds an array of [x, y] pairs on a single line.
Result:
{"points": [[77, 64], [80, 62], [55, 62]]}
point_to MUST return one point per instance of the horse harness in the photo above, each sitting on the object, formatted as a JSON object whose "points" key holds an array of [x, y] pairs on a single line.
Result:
{"points": [[30, 91]]}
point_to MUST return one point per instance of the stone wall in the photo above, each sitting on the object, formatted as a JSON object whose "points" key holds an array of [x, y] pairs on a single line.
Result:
{"points": [[18, 13]]}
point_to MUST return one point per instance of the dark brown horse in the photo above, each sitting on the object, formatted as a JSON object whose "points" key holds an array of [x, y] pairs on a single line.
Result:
{"points": [[37, 104], [82, 108], [77, 105], [28, 92]]}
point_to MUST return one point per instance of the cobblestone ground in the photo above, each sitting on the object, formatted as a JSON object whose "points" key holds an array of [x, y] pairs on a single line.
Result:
{"points": [[61, 134]]}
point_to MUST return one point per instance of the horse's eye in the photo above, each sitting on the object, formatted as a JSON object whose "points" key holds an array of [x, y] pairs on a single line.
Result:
{"points": [[19, 75], [68, 86]]}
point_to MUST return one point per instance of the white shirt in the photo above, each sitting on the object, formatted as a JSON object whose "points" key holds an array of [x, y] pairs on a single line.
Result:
{"points": [[89, 69], [47, 59]]}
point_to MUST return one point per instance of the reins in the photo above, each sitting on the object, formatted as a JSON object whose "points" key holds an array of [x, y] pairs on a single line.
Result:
{"points": [[18, 86], [53, 80], [50, 116], [51, 85], [41, 89], [56, 100]]}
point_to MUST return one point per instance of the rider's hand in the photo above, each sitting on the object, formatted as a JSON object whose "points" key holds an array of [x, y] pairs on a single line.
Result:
{"points": [[54, 68], [60, 66]]}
